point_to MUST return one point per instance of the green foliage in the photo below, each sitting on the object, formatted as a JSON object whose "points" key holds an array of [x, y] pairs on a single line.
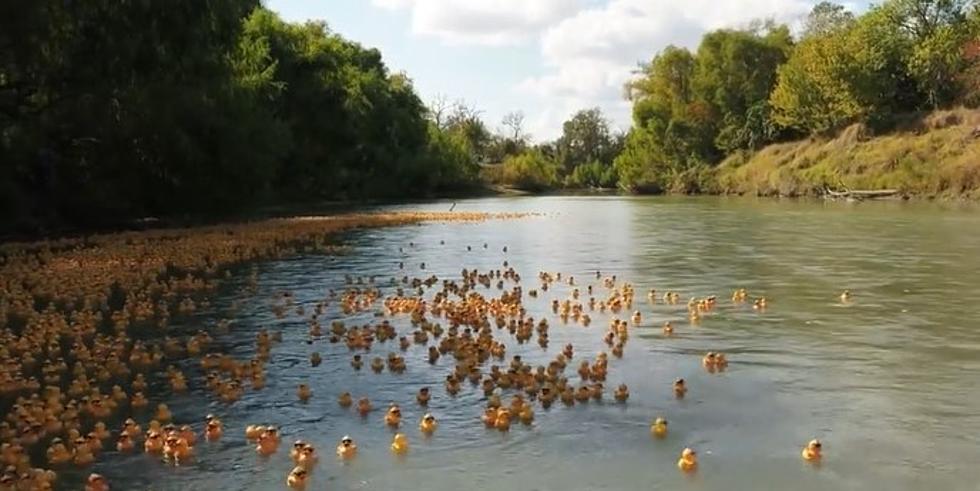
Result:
{"points": [[114, 110], [593, 174], [531, 171], [585, 138]]}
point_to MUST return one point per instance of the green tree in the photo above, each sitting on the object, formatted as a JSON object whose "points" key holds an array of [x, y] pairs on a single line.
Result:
{"points": [[585, 138], [531, 171]]}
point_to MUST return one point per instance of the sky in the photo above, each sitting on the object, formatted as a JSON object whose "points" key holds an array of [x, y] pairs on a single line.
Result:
{"points": [[545, 58]]}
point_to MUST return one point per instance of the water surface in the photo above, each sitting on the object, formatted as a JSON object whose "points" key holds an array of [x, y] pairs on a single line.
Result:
{"points": [[889, 382]]}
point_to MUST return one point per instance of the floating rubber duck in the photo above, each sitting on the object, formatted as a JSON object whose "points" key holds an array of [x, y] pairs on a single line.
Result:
{"points": [[688, 461], [83, 453], [622, 393], [296, 449], [253, 432], [131, 428], [315, 359], [213, 430], [364, 406], [428, 424], [845, 297], [347, 449], [267, 444], [423, 396], [502, 420], [297, 478], [399, 444], [526, 414], [58, 453], [345, 399], [680, 388], [489, 417], [659, 428], [124, 443], [163, 413], [303, 392], [154, 442], [668, 329], [812, 452], [307, 457], [356, 363], [393, 417], [96, 482]]}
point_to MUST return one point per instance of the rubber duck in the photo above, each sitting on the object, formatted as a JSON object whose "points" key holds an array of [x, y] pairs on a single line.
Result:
{"points": [[213, 430], [668, 329], [176, 449], [622, 393], [315, 359], [347, 449], [163, 413], [399, 444], [154, 442], [253, 432], [101, 432], [295, 450], [423, 396], [489, 417], [96, 482], [58, 453], [502, 421], [393, 417], [377, 364], [138, 401], [124, 443], [303, 392], [846, 296], [709, 360], [526, 414], [680, 388], [812, 452], [307, 456], [83, 453], [267, 444], [636, 317], [345, 400], [428, 424], [131, 428], [364, 406], [659, 428], [356, 363], [297, 478], [688, 461]]}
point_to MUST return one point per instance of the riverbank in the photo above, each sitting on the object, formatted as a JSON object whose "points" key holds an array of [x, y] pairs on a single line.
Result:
{"points": [[931, 156]]}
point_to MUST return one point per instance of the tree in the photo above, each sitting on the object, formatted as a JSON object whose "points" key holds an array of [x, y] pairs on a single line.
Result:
{"points": [[827, 18], [514, 121], [585, 138], [530, 171]]}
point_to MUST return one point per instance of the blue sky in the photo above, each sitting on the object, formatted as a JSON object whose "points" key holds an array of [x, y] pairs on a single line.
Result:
{"points": [[546, 58]]}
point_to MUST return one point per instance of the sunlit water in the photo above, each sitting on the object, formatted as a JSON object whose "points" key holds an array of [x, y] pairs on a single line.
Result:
{"points": [[889, 383]]}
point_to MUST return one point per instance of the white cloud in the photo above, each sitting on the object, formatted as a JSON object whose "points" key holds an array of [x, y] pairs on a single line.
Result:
{"points": [[593, 53], [484, 22]]}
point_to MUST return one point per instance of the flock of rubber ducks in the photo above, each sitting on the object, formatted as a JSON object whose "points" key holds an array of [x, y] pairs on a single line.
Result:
{"points": [[70, 365]]}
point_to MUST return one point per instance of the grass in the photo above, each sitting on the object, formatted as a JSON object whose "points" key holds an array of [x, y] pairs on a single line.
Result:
{"points": [[928, 155]]}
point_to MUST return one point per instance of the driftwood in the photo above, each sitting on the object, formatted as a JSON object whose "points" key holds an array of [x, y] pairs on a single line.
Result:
{"points": [[860, 195]]}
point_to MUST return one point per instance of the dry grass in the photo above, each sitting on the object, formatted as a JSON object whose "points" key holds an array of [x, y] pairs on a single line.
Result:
{"points": [[933, 155]]}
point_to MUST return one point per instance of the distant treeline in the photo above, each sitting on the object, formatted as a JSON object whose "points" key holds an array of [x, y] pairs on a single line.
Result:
{"points": [[111, 111]]}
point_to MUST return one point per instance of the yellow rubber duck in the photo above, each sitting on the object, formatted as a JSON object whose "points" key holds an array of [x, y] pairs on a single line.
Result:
{"points": [[315, 359], [267, 444], [659, 428], [637, 317], [428, 424], [526, 414], [163, 413], [58, 453], [680, 388], [347, 449], [364, 406], [296, 449], [813, 451], [668, 329], [622, 393], [393, 417], [297, 478], [213, 430], [303, 392], [399, 444], [688, 461], [502, 421], [345, 400], [96, 482], [154, 442], [131, 428], [307, 457], [489, 417], [845, 297], [83, 453], [423, 396], [125, 443], [253, 432]]}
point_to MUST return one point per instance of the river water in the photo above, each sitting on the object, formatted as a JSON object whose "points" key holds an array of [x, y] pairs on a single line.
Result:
{"points": [[889, 382]]}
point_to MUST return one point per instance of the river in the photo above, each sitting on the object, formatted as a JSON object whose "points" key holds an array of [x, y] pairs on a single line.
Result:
{"points": [[888, 382]]}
